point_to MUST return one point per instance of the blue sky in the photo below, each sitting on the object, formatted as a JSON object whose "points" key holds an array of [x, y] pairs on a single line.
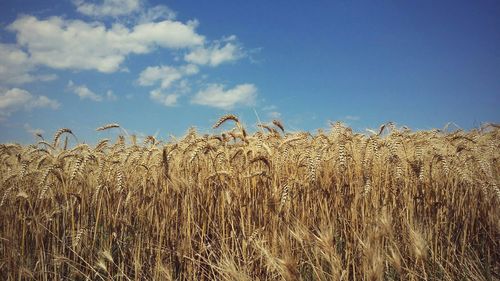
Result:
{"points": [[159, 67]]}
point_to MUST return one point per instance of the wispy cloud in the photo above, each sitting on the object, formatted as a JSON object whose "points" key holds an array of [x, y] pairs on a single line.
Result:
{"points": [[165, 75], [16, 99], [272, 111], [83, 92], [165, 99], [214, 95], [111, 96], [107, 7], [135, 9], [159, 12], [32, 131], [217, 53]]}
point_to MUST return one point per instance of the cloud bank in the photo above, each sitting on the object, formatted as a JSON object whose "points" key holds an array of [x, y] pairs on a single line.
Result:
{"points": [[74, 44]]}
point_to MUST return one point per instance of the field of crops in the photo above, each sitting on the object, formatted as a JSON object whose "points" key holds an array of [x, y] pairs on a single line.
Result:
{"points": [[272, 205]]}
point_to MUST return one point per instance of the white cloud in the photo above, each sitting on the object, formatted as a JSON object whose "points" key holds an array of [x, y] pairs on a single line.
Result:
{"points": [[46, 77], [167, 33], [42, 101], [74, 44], [16, 99], [215, 96], [16, 65], [159, 12], [216, 54], [83, 92], [111, 96], [183, 87], [165, 75], [108, 7], [135, 8], [33, 131], [165, 99]]}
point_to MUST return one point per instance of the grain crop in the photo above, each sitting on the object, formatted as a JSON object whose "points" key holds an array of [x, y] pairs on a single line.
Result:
{"points": [[392, 204]]}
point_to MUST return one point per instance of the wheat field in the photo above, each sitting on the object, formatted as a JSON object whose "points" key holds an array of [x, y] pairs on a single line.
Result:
{"points": [[394, 204]]}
